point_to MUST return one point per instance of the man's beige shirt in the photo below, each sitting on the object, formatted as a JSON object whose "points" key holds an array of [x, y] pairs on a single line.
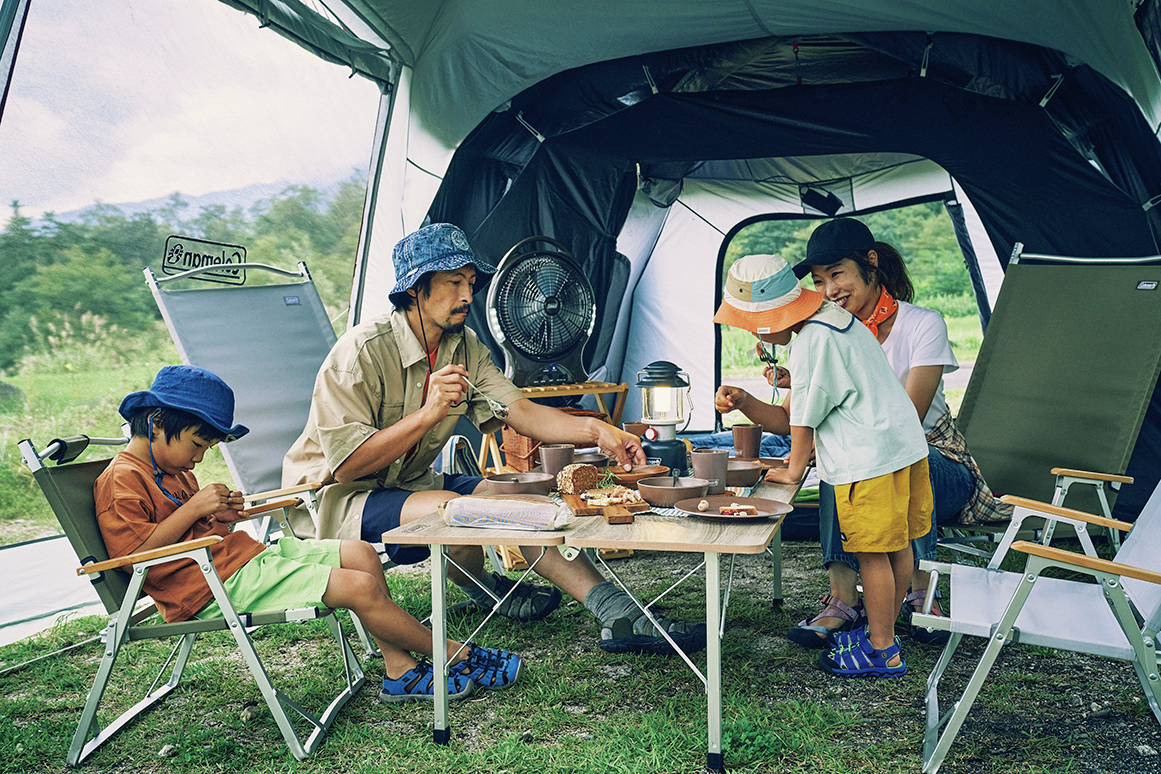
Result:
{"points": [[372, 378]]}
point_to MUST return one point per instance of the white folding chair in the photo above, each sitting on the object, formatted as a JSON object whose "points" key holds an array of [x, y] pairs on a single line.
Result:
{"points": [[1118, 616]]}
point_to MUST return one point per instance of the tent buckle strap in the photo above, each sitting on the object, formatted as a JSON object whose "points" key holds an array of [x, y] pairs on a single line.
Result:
{"points": [[520, 117], [1059, 79], [926, 58]]}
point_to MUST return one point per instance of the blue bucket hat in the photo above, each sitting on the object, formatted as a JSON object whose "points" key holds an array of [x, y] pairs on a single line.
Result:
{"points": [[192, 389], [833, 241], [438, 247]]}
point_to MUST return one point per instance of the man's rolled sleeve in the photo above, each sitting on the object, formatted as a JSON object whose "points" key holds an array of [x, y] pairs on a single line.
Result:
{"points": [[340, 411]]}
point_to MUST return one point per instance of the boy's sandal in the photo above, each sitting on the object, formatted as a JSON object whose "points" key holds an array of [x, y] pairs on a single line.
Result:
{"points": [[491, 667], [811, 635], [914, 602], [417, 683], [862, 659]]}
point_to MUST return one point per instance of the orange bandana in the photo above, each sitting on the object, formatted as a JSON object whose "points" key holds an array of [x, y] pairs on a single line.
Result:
{"points": [[883, 309]]}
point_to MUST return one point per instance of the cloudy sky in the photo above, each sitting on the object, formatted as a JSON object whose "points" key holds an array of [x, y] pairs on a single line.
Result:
{"points": [[127, 100]]}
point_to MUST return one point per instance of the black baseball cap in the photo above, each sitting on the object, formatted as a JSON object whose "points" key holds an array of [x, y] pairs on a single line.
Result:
{"points": [[833, 241]]}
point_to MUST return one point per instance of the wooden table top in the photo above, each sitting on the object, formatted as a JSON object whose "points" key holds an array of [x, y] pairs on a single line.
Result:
{"points": [[652, 532], [430, 530]]}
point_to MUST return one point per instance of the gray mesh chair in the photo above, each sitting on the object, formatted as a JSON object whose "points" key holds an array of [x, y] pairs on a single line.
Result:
{"points": [[267, 342], [1117, 616], [118, 582]]}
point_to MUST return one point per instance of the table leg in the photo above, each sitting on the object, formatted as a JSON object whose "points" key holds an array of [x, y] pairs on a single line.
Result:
{"points": [[775, 549], [714, 759], [441, 732]]}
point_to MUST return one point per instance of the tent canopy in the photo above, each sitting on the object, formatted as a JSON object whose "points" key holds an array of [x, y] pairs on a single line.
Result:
{"points": [[640, 135]]}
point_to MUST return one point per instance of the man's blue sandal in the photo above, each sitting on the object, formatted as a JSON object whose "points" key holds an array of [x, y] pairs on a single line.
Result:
{"points": [[416, 683], [862, 659], [491, 667]]}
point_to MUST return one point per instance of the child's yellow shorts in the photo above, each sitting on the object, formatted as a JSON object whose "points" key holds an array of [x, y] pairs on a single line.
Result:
{"points": [[883, 514], [290, 574]]}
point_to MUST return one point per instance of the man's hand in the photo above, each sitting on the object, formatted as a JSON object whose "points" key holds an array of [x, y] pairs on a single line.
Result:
{"points": [[625, 447], [729, 399], [445, 388]]}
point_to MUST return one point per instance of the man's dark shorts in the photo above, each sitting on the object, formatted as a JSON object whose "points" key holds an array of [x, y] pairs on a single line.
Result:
{"points": [[382, 509]]}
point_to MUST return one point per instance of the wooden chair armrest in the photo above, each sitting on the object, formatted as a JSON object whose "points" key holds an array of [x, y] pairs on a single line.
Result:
{"points": [[1089, 562], [144, 556], [312, 487], [1068, 513], [255, 511], [1091, 475]]}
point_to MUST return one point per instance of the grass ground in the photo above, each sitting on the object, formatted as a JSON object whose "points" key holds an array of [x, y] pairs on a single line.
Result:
{"points": [[579, 709]]}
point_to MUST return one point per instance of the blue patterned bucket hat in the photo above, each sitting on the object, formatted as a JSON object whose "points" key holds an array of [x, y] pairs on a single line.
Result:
{"points": [[438, 247], [192, 389]]}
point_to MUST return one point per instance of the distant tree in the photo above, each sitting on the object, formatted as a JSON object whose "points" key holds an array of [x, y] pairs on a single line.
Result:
{"points": [[217, 224]]}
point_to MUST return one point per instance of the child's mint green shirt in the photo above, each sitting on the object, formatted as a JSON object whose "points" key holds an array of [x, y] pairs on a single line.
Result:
{"points": [[842, 386]]}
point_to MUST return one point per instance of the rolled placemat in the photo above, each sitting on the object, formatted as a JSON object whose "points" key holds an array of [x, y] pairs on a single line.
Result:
{"points": [[504, 513]]}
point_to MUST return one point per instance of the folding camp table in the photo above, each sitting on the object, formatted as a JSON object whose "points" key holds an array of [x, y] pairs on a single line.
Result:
{"points": [[649, 531]]}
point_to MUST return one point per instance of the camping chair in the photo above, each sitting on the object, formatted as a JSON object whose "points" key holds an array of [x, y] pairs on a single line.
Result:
{"points": [[267, 342], [1117, 616], [1063, 378], [69, 491]]}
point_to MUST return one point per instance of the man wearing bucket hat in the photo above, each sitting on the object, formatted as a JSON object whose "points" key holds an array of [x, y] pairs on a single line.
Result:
{"points": [[148, 497], [386, 400], [846, 405]]}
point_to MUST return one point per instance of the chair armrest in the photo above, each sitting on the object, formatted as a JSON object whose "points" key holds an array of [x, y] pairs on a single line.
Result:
{"points": [[312, 487], [1093, 476], [144, 556], [257, 510], [1065, 513], [1088, 562]]}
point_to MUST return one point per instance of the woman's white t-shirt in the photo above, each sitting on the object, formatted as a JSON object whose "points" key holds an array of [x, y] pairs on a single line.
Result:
{"points": [[919, 338]]}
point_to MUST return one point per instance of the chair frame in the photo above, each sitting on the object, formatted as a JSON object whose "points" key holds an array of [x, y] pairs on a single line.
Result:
{"points": [[1141, 633], [126, 623]]}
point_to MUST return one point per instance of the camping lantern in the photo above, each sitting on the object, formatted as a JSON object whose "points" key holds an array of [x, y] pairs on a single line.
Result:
{"points": [[664, 389]]}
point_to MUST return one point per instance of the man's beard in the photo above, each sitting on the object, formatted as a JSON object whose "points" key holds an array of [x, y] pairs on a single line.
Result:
{"points": [[447, 326]]}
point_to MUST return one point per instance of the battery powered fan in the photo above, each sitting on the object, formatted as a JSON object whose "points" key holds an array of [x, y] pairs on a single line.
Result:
{"points": [[541, 310]]}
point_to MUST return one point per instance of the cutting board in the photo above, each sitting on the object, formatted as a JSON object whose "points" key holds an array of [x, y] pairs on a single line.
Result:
{"points": [[581, 508]]}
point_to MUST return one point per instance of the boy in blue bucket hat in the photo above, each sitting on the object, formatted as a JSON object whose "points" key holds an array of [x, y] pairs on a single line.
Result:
{"points": [[148, 498]]}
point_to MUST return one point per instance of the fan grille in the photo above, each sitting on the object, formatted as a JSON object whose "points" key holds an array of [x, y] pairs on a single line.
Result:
{"points": [[544, 306]]}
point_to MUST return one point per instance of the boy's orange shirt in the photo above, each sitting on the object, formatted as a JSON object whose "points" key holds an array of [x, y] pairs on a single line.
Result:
{"points": [[129, 507]]}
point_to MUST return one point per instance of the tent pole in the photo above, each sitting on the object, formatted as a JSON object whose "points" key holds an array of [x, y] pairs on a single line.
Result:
{"points": [[13, 14], [362, 254]]}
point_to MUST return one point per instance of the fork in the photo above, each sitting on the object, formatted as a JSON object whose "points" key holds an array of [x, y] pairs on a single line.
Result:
{"points": [[770, 360], [498, 409]]}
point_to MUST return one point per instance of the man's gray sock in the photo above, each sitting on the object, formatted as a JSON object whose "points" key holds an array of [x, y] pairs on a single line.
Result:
{"points": [[477, 594], [608, 603]]}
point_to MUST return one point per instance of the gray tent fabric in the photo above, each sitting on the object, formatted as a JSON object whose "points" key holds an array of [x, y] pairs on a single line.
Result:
{"points": [[32, 600]]}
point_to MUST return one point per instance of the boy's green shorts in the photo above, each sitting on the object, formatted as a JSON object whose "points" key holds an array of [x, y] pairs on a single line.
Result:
{"points": [[292, 574]]}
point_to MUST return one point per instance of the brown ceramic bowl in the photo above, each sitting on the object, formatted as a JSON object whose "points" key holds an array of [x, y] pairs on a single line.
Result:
{"points": [[743, 472], [521, 483], [662, 493], [596, 459]]}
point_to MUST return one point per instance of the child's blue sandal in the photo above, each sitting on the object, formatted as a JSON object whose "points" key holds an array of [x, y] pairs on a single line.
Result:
{"points": [[491, 667], [417, 683], [862, 659]]}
